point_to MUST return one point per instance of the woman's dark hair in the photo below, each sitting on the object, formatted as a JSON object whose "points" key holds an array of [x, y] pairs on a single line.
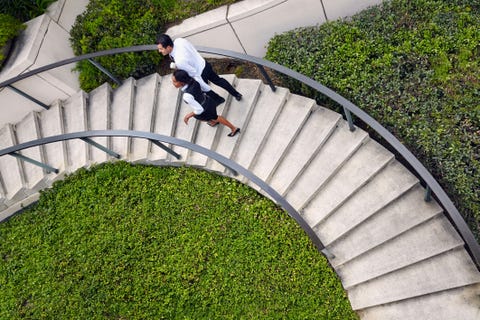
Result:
{"points": [[182, 76], [164, 40]]}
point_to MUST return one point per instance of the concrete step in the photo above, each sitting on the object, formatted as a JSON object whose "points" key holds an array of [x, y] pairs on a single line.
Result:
{"points": [[183, 131], [26, 130], [367, 160], [3, 206], [55, 154], [384, 225], [264, 115], [282, 134], [75, 120], [145, 104], [434, 237], [239, 114], [168, 101], [205, 135], [451, 270], [98, 113], [11, 168], [461, 303], [315, 132], [121, 116], [388, 185], [324, 166]]}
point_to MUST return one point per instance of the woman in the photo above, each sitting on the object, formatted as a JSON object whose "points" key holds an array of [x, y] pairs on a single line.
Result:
{"points": [[204, 107]]}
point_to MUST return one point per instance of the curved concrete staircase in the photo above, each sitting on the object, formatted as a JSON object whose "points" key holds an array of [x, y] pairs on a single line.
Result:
{"points": [[398, 256]]}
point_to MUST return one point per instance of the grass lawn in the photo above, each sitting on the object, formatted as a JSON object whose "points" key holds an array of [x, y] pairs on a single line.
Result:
{"points": [[120, 241]]}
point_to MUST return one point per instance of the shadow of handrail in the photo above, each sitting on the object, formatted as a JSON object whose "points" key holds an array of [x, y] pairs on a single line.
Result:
{"points": [[472, 245]]}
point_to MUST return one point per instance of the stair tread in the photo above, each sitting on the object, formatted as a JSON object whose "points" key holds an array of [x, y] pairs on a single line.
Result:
{"points": [[461, 303], [286, 128], [183, 131], [363, 165], [451, 270], [238, 113], [143, 114], [75, 120], [315, 132], [10, 168], [26, 130], [385, 187], [121, 115], [324, 165], [98, 116], [167, 98], [205, 135], [266, 110], [51, 124], [386, 224], [427, 240]]}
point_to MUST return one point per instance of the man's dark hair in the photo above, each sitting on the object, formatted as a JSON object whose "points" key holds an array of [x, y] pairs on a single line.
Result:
{"points": [[182, 76], [164, 40]]}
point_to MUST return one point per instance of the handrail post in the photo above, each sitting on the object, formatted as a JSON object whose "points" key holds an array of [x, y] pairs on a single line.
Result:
{"points": [[48, 168], [99, 146], [105, 71], [428, 194], [29, 97], [167, 149], [349, 119], [267, 77]]}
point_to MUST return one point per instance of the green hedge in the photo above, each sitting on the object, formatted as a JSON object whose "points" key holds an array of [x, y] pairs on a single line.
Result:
{"points": [[10, 27], [109, 24], [120, 241], [24, 10], [413, 65]]}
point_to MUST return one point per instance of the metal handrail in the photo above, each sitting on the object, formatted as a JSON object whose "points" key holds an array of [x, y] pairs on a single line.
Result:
{"points": [[232, 165], [348, 106]]}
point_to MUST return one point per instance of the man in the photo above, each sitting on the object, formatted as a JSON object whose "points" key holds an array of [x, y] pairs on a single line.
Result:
{"points": [[187, 58]]}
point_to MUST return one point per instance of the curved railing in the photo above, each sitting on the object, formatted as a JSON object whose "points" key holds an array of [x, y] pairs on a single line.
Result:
{"points": [[432, 185], [159, 140]]}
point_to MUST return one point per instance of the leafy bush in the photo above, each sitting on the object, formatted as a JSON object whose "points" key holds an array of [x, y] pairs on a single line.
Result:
{"points": [[9, 29], [120, 241], [109, 24], [24, 10], [414, 66]]}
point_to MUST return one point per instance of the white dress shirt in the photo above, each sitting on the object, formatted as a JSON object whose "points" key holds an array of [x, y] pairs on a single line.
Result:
{"points": [[190, 100], [187, 58]]}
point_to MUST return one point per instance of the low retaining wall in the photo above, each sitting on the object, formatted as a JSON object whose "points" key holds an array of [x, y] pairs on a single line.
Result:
{"points": [[44, 41]]}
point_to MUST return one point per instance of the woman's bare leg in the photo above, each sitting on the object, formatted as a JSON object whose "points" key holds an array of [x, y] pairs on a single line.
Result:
{"points": [[225, 122]]}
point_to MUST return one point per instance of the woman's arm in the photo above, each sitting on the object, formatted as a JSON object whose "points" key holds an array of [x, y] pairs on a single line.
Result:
{"points": [[187, 117]]}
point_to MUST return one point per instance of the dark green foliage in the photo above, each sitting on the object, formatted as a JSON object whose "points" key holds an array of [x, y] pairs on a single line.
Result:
{"points": [[9, 29], [131, 242], [413, 66], [24, 10], [109, 24]]}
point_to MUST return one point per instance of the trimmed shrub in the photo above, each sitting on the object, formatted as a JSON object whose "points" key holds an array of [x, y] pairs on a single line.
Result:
{"points": [[120, 241], [414, 66], [109, 24], [24, 10], [10, 27]]}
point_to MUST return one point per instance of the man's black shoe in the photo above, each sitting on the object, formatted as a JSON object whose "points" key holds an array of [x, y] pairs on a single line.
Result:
{"points": [[238, 96]]}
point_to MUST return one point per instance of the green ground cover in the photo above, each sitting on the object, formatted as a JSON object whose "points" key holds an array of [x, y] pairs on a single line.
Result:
{"points": [[413, 66], [120, 241]]}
